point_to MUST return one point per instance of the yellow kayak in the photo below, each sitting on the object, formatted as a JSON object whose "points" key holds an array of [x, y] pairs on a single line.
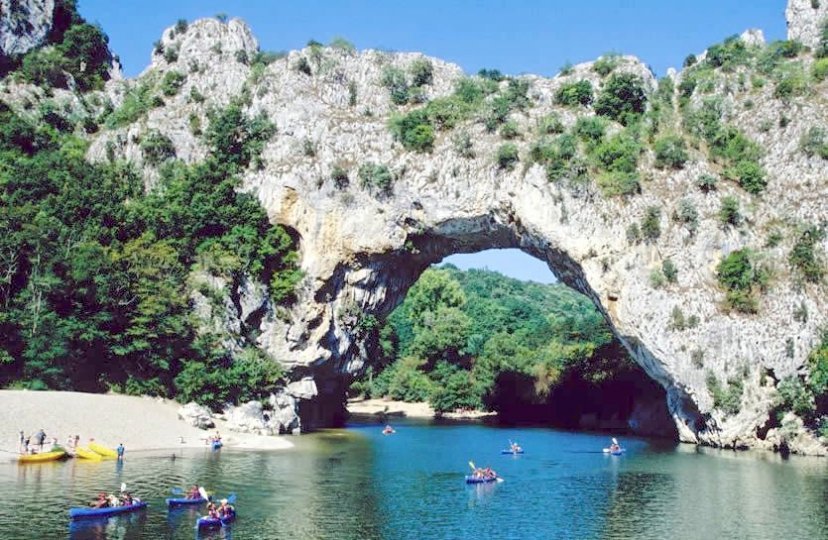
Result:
{"points": [[45, 456], [86, 453], [102, 450]]}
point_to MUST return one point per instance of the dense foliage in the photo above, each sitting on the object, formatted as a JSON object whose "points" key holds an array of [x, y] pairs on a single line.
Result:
{"points": [[743, 278], [94, 291], [477, 339], [75, 51]]}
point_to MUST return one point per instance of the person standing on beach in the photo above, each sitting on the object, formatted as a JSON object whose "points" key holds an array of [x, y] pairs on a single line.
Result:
{"points": [[22, 447]]}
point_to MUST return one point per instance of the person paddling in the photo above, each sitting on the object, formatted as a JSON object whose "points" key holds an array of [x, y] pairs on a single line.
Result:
{"points": [[614, 447]]}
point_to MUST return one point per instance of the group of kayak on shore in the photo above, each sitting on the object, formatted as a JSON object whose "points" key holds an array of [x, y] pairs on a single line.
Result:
{"points": [[39, 443]]}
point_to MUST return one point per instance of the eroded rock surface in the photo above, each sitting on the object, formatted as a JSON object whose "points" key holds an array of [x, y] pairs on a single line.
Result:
{"points": [[361, 249]]}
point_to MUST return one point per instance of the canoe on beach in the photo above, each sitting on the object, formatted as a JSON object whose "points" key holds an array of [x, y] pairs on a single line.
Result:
{"points": [[44, 456], [85, 453], [103, 450]]}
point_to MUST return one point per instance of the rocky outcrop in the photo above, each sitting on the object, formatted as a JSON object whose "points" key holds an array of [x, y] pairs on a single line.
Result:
{"points": [[252, 417], [24, 25], [790, 437], [361, 251], [196, 415], [805, 20]]}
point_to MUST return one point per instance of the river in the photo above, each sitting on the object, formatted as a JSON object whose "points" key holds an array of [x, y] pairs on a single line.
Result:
{"points": [[359, 484]]}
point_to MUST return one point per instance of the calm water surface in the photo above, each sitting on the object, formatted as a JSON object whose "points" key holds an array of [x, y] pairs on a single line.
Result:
{"points": [[359, 484]]}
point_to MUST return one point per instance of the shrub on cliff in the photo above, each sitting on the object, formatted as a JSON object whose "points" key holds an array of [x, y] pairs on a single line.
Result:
{"points": [[172, 82], [805, 256], [622, 98], [670, 152], [237, 139], [422, 72], [157, 147], [507, 156], [413, 130], [742, 277], [377, 177], [574, 93]]}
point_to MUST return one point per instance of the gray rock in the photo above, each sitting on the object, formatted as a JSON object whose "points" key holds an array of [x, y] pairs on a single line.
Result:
{"points": [[303, 389], [248, 418], [284, 417], [792, 437], [196, 415], [805, 21], [24, 25]]}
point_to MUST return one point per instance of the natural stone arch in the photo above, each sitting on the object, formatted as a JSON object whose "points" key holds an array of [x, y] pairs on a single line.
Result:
{"points": [[378, 282], [363, 248]]}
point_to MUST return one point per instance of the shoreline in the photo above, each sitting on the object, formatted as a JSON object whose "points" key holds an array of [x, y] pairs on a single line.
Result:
{"points": [[141, 423], [420, 409]]}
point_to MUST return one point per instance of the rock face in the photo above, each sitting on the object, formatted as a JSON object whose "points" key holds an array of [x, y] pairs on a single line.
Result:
{"points": [[24, 25], [196, 415], [805, 19], [361, 249], [252, 417]]}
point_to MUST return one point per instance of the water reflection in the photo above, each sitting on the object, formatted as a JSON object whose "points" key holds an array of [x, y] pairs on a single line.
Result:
{"points": [[358, 484]]}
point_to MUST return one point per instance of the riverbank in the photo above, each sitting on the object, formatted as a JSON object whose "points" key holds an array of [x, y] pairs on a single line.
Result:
{"points": [[140, 423], [387, 407]]}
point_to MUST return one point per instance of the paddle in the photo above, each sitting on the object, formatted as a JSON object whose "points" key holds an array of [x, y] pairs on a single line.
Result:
{"points": [[231, 498], [123, 487], [203, 493]]}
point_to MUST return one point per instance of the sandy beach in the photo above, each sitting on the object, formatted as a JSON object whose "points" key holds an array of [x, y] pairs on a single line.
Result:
{"points": [[140, 423], [378, 407]]}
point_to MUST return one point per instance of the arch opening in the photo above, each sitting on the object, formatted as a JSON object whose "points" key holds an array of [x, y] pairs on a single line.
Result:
{"points": [[371, 286]]}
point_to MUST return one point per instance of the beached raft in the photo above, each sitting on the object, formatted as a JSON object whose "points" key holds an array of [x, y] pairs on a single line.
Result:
{"points": [[215, 523], [85, 453], [43, 456], [94, 513], [471, 479], [103, 450]]}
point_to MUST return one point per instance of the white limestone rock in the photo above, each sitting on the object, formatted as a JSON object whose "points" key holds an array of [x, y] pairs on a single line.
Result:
{"points": [[24, 25], [805, 19], [196, 415]]}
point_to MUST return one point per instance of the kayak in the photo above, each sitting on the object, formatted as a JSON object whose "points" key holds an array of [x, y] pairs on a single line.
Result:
{"points": [[185, 501], [614, 452], [92, 513], [511, 452], [216, 445], [103, 450], [215, 523], [44, 456], [470, 479], [86, 453]]}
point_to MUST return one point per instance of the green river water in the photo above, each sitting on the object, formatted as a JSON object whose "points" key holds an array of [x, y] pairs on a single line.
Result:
{"points": [[358, 484]]}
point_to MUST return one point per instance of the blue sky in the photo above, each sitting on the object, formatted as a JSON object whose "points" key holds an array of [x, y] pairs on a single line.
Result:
{"points": [[529, 36]]}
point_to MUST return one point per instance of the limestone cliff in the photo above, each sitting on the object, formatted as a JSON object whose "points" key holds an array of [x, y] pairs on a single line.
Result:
{"points": [[364, 247], [24, 25]]}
